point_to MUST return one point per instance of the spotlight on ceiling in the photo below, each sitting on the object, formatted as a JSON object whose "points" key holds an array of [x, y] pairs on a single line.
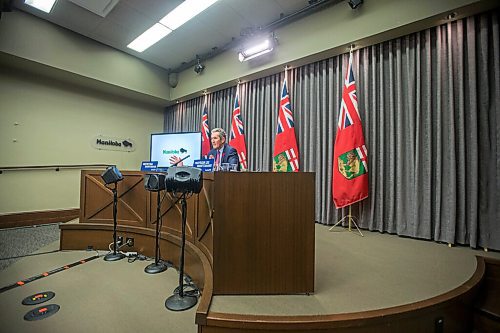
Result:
{"points": [[256, 48], [198, 68], [355, 3]]}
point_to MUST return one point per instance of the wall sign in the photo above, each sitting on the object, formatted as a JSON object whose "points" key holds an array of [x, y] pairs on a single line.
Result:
{"points": [[113, 143]]}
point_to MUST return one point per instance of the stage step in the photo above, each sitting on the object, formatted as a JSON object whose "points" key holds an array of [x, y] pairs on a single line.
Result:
{"points": [[487, 307]]}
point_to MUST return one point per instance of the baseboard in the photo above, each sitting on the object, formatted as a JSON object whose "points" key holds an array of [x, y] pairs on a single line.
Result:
{"points": [[38, 217]]}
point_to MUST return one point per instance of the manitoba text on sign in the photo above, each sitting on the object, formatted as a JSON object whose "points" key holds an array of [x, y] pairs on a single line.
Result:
{"points": [[113, 143]]}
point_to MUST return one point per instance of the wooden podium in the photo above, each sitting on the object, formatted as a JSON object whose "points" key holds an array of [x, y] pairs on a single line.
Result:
{"points": [[263, 233], [255, 228]]}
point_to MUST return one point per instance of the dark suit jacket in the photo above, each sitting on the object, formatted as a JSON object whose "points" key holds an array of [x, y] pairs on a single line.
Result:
{"points": [[229, 155]]}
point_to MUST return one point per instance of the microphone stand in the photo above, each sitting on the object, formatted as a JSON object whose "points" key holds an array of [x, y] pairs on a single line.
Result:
{"points": [[179, 301], [157, 266], [115, 255]]}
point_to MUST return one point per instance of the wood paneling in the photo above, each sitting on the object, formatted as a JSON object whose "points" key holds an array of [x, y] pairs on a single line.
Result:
{"points": [[98, 236], [452, 310], [487, 317], [263, 233], [39, 217], [96, 200]]}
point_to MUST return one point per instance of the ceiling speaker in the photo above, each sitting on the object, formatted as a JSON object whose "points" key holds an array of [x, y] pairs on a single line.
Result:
{"points": [[111, 175], [184, 179], [154, 182]]}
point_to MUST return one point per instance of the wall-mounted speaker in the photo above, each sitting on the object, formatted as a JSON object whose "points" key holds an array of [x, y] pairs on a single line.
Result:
{"points": [[154, 182], [111, 175], [184, 179]]}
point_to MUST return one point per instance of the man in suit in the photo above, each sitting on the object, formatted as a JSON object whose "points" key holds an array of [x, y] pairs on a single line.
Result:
{"points": [[222, 152]]}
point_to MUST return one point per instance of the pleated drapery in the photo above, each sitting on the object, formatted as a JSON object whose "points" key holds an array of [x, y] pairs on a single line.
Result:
{"points": [[429, 103]]}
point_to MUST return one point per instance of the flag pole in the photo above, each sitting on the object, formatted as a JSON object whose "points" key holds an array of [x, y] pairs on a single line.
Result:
{"points": [[351, 220]]}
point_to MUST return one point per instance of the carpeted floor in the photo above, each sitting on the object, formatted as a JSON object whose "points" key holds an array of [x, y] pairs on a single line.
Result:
{"points": [[18, 242], [355, 273], [352, 274]]}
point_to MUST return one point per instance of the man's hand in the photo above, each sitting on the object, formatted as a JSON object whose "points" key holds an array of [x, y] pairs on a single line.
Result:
{"points": [[175, 159]]}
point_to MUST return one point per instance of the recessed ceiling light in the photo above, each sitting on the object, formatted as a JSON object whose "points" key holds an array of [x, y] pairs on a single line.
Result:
{"points": [[177, 17], [149, 37], [184, 12], [43, 5]]}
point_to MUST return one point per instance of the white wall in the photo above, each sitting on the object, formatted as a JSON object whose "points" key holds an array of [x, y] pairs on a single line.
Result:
{"points": [[56, 124]]}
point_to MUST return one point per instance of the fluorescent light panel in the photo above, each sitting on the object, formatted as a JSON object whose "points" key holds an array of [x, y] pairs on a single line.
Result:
{"points": [[177, 17], [43, 5], [184, 12], [149, 37]]}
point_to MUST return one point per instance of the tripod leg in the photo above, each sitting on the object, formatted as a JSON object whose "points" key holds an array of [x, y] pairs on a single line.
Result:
{"points": [[354, 222], [336, 224]]}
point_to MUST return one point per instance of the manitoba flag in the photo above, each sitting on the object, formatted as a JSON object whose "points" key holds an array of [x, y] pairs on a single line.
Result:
{"points": [[350, 164], [205, 131], [237, 135], [286, 153]]}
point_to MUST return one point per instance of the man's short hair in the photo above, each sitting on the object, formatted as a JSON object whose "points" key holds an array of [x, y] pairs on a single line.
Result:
{"points": [[220, 131]]}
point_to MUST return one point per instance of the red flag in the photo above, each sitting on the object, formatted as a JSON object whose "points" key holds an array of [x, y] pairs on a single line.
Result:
{"points": [[237, 136], [205, 131], [350, 164], [286, 153]]}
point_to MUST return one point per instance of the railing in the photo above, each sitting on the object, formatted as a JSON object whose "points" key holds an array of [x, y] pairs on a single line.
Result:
{"points": [[55, 167]]}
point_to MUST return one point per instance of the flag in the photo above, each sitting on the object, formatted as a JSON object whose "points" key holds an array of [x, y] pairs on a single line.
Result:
{"points": [[286, 153], [350, 164], [237, 135], [205, 131]]}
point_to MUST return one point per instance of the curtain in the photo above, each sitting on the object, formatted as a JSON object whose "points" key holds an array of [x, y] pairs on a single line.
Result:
{"points": [[429, 103]]}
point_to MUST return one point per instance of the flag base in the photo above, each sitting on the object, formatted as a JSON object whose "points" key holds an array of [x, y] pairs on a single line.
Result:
{"points": [[351, 220]]}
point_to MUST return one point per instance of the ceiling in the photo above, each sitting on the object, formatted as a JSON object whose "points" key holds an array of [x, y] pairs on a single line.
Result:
{"points": [[219, 27]]}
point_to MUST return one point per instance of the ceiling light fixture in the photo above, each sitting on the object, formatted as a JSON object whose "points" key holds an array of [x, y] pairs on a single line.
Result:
{"points": [[177, 17], [184, 12], [257, 49], [149, 37], [355, 3], [43, 5]]}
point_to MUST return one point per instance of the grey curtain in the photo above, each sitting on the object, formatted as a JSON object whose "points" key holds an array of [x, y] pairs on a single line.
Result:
{"points": [[430, 105]]}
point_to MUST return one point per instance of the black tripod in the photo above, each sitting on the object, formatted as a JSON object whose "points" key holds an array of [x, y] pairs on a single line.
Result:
{"points": [[113, 256], [179, 301], [157, 266]]}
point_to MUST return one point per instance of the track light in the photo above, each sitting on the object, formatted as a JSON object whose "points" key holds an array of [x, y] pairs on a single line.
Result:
{"points": [[355, 3], [198, 68], [257, 48]]}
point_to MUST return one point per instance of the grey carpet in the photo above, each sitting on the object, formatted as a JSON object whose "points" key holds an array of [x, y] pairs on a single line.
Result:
{"points": [[96, 296], [18, 242], [352, 273], [355, 273]]}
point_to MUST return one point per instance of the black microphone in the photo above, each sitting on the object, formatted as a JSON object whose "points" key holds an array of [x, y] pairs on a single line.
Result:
{"points": [[179, 161]]}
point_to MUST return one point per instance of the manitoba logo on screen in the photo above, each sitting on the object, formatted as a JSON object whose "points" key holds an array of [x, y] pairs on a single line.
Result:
{"points": [[174, 151]]}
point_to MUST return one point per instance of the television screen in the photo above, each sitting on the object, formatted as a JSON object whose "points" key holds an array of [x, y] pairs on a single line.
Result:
{"points": [[166, 145]]}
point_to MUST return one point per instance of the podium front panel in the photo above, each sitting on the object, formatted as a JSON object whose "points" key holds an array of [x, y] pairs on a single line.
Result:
{"points": [[263, 233]]}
